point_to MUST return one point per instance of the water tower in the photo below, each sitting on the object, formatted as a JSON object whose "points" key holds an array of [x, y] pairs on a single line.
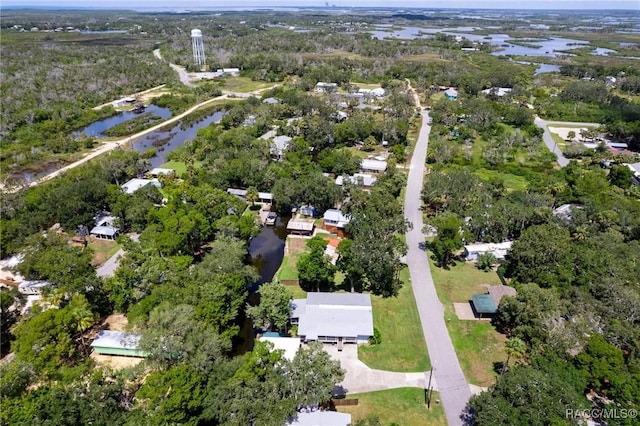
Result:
{"points": [[198, 47]]}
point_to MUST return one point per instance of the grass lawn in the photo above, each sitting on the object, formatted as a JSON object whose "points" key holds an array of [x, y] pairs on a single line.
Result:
{"points": [[403, 406], [288, 270], [403, 347], [477, 343], [180, 167], [511, 182], [102, 250], [243, 84]]}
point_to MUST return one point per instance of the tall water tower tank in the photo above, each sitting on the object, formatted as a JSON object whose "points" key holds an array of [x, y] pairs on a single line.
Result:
{"points": [[198, 47]]}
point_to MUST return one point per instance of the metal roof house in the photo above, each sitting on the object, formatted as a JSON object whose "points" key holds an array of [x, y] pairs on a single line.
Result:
{"points": [[360, 179], [333, 317], [279, 146], [263, 197], [635, 169], [451, 94], [373, 166], [133, 185], [301, 226], [104, 229], [498, 91], [499, 250], [321, 418], [33, 288], [118, 343], [159, 171], [335, 222], [323, 87]]}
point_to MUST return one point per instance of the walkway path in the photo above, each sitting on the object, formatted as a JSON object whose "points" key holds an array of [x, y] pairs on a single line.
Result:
{"points": [[548, 139], [453, 387], [360, 378]]}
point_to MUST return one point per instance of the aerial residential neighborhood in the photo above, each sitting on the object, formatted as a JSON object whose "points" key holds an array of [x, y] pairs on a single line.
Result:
{"points": [[320, 215]]}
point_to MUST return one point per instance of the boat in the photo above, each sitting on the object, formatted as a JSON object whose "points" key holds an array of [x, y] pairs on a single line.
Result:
{"points": [[271, 219], [139, 108]]}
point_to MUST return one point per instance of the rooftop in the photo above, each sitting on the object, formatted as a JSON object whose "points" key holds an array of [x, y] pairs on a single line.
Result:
{"points": [[161, 171], [243, 193], [289, 345], [360, 179], [133, 185], [483, 304], [116, 340], [499, 91], [321, 418], [300, 225], [377, 165], [497, 292], [333, 314]]}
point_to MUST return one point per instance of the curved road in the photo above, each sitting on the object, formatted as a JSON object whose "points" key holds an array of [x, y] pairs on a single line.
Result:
{"points": [[453, 387], [551, 144]]}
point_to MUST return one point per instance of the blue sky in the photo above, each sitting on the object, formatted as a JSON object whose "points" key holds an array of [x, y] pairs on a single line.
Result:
{"points": [[212, 4]]}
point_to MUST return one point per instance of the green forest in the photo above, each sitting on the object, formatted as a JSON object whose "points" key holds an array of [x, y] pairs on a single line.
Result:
{"points": [[186, 281]]}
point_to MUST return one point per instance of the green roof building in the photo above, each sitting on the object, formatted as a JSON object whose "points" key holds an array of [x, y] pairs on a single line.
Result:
{"points": [[118, 343]]}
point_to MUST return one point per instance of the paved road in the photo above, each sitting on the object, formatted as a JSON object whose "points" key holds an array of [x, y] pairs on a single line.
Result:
{"points": [[361, 378], [548, 140], [109, 267], [182, 73], [454, 389]]}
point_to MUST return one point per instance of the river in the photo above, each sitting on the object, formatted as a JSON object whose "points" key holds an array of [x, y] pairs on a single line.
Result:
{"points": [[97, 128]]}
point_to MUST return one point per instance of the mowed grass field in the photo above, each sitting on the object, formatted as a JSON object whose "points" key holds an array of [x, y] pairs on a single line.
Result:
{"points": [[477, 343], [403, 406], [243, 84], [403, 347]]}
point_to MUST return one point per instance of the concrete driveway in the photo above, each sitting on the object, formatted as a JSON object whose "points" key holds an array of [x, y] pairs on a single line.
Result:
{"points": [[360, 378]]}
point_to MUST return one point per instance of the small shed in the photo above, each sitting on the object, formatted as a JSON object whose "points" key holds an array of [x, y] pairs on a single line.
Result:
{"points": [[483, 305], [451, 94], [118, 343]]}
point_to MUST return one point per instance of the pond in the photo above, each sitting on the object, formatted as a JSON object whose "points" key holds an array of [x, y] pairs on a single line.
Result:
{"points": [[267, 250], [97, 128], [166, 141], [542, 68], [601, 51]]}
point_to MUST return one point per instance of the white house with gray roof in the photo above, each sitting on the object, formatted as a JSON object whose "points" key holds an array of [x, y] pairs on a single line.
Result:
{"points": [[333, 317]]}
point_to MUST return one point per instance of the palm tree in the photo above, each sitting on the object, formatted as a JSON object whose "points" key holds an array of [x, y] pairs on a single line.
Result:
{"points": [[84, 319], [514, 347], [252, 195]]}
